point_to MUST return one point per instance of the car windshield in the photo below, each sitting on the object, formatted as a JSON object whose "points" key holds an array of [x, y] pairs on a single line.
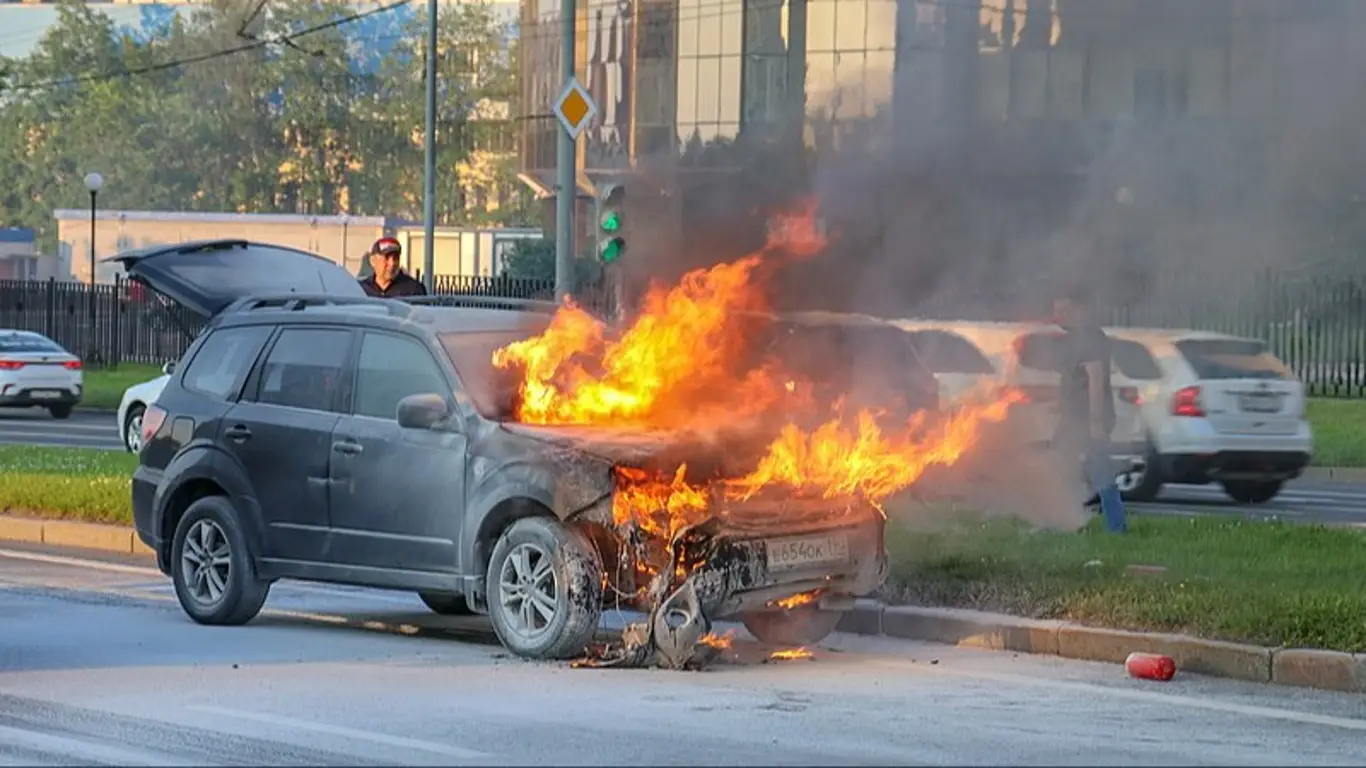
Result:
{"points": [[494, 391], [27, 342]]}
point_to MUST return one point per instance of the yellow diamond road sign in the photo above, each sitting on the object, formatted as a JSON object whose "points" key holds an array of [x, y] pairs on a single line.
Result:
{"points": [[575, 108]]}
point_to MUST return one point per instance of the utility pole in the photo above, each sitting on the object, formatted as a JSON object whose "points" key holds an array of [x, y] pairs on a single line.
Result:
{"points": [[566, 178], [429, 172]]}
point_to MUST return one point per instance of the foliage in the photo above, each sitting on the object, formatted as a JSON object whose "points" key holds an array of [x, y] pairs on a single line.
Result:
{"points": [[67, 483], [534, 259], [331, 122]]}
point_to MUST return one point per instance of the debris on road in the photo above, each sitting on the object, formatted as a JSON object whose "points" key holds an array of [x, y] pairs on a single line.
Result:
{"points": [[1150, 666]]}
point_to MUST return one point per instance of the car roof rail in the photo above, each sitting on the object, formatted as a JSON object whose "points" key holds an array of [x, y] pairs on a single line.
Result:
{"points": [[296, 302], [483, 302]]}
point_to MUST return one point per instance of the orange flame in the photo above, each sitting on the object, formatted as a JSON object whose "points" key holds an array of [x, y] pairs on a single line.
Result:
{"points": [[718, 641], [797, 600], [791, 654]]}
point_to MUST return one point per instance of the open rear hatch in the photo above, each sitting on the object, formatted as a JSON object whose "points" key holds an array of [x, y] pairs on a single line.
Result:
{"points": [[206, 276]]}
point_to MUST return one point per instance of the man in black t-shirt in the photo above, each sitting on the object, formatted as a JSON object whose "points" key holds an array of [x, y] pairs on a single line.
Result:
{"points": [[1086, 407], [388, 279]]}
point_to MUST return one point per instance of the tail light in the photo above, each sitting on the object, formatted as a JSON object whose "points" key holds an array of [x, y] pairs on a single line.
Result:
{"points": [[72, 365], [1186, 402], [152, 420], [1130, 395], [11, 365]]}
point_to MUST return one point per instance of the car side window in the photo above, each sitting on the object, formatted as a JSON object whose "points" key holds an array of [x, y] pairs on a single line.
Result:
{"points": [[392, 367], [223, 360], [304, 368]]}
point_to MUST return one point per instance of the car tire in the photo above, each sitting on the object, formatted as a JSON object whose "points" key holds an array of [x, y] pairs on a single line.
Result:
{"points": [[804, 625], [59, 411], [225, 591], [1149, 483], [132, 427], [1252, 491], [541, 565], [446, 604]]}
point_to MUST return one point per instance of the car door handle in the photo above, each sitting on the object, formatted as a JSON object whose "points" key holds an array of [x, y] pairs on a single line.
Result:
{"points": [[347, 448], [238, 433]]}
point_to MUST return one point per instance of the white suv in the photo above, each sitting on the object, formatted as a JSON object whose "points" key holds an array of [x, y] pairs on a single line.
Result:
{"points": [[1214, 408]]}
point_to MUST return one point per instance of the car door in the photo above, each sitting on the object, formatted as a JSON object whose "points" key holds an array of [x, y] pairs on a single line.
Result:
{"points": [[397, 494], [281, 432]]}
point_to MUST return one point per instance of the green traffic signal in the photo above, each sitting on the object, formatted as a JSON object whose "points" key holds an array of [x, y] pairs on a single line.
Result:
{"points": [[611, 250], [611, 221]]}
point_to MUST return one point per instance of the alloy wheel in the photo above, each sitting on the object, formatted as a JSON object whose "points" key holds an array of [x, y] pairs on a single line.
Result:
{"points": [[527, 590]]}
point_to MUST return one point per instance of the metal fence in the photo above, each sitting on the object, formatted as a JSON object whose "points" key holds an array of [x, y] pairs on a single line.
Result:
{"points": [[126, 323]]}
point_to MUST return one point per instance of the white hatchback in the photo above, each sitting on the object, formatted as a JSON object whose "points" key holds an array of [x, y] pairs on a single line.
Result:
{"points": [[37, 371], [1216, 408], [134, 404]]}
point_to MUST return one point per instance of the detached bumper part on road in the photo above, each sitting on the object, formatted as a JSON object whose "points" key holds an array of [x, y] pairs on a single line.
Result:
{"points": [[1234, 465]]}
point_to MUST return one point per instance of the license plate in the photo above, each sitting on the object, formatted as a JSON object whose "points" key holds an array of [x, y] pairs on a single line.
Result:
{"points": [[1260, 403], [789, 554], [46, 394]]}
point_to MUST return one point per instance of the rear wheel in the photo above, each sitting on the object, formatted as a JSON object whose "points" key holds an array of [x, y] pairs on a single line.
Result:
{"points": [[1142, 482], [544, 589], [1252, 491], [59, 411], [446, 604], [211, 566], [132, 428], [804, 625]]}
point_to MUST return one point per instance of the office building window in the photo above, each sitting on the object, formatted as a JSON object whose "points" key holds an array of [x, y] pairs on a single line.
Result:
{"points": [[710, 47]]}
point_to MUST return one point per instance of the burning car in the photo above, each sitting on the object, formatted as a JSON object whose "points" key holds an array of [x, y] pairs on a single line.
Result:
{"points": [[523, 461]]}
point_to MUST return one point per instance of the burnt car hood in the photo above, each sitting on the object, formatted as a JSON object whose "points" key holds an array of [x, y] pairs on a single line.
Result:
{"points": [[660, 450], [206, 276]]}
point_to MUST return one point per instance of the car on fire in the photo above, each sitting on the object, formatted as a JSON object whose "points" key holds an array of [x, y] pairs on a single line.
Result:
{"points": [[310, 432]]}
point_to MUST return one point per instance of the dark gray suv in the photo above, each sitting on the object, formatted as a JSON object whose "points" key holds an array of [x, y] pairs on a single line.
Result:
{"points": [[312, 433]]}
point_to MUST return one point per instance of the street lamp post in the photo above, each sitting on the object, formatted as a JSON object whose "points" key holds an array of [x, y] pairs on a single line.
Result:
{"points": [[93, 182]]}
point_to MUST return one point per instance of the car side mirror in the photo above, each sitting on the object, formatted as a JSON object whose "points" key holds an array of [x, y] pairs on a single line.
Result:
{"points": [[422, 411], [168, 367]]}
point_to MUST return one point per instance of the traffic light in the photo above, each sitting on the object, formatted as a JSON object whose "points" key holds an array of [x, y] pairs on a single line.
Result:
{"points": [[612, 243]]}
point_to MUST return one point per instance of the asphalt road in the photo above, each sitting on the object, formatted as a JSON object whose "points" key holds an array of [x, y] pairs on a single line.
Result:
{"points": [[99, 666], [1302, 500], [35, 426]]}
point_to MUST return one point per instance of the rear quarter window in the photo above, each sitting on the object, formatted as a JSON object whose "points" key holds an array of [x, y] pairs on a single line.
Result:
{"points": [[1134, 360], [223, 360], [1232, 359], [944, 352]]}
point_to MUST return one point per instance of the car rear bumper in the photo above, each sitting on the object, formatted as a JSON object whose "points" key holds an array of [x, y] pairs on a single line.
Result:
{"points": [[144, 490], [749, 573], [1233, 465], [11, 396]]}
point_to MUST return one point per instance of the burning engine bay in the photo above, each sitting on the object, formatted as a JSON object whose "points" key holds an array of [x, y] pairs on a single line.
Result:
{"points": [[785, 456]]}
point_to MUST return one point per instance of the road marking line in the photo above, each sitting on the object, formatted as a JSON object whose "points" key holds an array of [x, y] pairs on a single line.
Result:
{"points": [[1154, 697], [95, 565], [401, 742], [84, 751]]}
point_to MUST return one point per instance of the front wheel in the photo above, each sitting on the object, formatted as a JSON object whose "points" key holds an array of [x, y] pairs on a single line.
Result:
{"points": [[804, 625], [211, 566], [1252, 491], [544, 589], [1142, 482], [132, 428]]}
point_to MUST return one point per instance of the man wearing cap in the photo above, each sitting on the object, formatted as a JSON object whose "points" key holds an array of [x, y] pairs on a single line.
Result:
{"points": [[388, 279]]}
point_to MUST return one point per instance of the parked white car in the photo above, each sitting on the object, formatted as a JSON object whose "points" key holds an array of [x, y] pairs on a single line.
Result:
{"points": [[37, 371], [1216, 408], [965, 354], [134, 403]]}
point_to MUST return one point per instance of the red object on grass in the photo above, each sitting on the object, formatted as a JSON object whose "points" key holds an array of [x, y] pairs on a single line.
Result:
{"points": [[1150, 666]]}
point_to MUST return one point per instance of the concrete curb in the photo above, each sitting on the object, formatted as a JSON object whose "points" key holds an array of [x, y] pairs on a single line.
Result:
{"points": [[1303, 667], [1308, 668], [63, 533], [1336, 474]]}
